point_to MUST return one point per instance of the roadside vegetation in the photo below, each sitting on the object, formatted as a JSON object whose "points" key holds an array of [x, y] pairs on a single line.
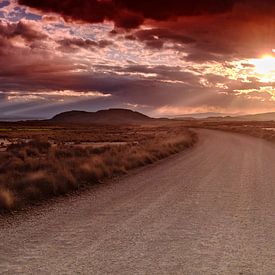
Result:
{"points": [[47, 163], [259, 129]]}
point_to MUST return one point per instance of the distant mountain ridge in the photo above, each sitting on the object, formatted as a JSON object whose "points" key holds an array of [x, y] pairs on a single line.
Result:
{"points": [[110, 116], [253, 117], [259, 117], [224, 117], [127, 116], [198, 115]]}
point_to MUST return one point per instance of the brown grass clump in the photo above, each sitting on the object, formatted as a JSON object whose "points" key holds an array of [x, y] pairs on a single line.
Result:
{"points": [[36, 170], [7, 199]]}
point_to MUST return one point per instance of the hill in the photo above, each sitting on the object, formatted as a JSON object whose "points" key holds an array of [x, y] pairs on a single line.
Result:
{"points": [[110, 116]]}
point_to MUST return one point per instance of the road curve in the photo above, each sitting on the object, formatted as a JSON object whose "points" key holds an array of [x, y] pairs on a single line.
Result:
{"points": [[210, 210]]}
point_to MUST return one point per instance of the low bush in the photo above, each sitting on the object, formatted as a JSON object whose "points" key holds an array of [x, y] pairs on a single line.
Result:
{"points": [[36, 170], [7, 200]]}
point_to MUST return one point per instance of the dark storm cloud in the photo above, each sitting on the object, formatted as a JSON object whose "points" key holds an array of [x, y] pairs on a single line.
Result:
{"points": [[128, 13], [204, 30], [155, 38], [40, 57], [186, 39]]}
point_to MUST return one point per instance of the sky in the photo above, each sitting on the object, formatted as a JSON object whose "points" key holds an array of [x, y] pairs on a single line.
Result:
{"points": [[160, 57]]}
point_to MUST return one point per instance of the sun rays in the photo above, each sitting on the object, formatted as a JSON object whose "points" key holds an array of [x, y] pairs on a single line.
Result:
{"points": [[264, 68]]}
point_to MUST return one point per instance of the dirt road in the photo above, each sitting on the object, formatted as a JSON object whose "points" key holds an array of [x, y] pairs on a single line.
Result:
{"points": [[210, 210]]}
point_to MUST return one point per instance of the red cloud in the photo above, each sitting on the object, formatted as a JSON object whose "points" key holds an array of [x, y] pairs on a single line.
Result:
{"points": [[26, 31], [129, 13]]}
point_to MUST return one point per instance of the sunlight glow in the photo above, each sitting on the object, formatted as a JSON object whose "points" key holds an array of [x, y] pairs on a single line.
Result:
{"points": [[265, 68]]}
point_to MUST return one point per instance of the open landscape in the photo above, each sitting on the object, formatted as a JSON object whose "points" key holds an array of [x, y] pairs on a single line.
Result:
{"points": [[40, 160], [84, 166], [137, 137], [43, 159], [197, 199]]}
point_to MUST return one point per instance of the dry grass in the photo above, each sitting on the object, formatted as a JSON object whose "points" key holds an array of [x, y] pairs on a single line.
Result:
{"points": [[37, 170], [7, 199], [264, 130]]}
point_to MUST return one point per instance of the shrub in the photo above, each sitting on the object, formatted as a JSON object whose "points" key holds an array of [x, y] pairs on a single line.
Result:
{"points": [[7, 200], [35, 170]]}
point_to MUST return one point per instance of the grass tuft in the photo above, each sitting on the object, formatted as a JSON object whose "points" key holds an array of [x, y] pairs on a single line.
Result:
{"points": [[37, 170], [7, 200]]}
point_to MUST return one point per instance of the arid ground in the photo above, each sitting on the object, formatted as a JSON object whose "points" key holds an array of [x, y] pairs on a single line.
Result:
{"points": [[208, 210], [42, 160]]}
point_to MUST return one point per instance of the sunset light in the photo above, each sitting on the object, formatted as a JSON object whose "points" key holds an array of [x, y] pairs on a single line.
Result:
{"points": [[265, 68], [161, 58], [137, 137]]}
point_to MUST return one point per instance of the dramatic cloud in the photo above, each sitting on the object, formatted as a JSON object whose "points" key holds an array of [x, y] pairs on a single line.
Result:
{"points": [[161, 57], [128, 13], [73, 44], [19, 29]]}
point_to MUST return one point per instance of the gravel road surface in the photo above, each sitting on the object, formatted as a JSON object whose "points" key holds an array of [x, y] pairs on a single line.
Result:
{"points": [[209, 210]]}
